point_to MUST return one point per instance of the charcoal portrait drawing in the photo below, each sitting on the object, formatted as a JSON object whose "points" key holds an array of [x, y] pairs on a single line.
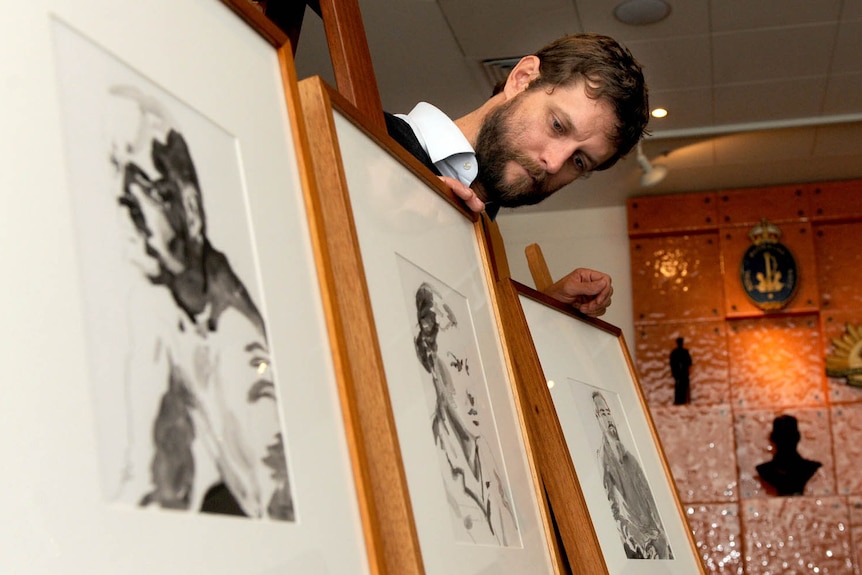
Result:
{"points": [[461, 422], [631, 500], [186, 401]]}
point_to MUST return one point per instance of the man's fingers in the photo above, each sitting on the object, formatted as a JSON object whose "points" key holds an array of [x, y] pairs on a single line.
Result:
{"points": [[599, 288], [588, 291], [593, 308], [465, 193]]}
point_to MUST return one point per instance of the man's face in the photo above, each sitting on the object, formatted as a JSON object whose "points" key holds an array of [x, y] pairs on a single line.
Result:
{"points": [[537, 142], [428, 327], [605, 418]]}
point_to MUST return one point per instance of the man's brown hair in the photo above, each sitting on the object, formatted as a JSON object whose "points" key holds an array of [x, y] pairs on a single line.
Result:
{"points": [[610, 73]]}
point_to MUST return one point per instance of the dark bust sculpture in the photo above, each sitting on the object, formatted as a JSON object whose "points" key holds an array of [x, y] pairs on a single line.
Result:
{"points": [[788, 472]]}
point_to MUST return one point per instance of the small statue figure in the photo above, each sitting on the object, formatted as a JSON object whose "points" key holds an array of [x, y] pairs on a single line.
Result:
{"points": [[680, 362], [788, 472]]}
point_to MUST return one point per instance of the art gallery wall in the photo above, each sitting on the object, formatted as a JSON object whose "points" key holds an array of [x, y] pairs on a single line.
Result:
{"points": [[749, 366]]}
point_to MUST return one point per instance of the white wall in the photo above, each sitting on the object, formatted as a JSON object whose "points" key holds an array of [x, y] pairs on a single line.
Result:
{"points": [[594, 238]]}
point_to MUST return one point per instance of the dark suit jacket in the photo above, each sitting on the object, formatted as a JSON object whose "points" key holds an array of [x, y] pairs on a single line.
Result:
{"points": [[402, 133]]}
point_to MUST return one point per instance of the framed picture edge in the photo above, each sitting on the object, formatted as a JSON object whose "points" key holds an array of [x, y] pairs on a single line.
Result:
{"points": [[374, 538], [281, 94], [578, 539], [561, 478], [371, 520], [353, 338], [361, 354]]}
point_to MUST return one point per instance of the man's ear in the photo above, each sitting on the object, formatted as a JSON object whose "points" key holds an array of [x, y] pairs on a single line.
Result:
{"points": [[524, 72]]}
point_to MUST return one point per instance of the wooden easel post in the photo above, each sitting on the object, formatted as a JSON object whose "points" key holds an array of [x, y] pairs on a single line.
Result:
{"points": [[538, 267], [348, 48]]}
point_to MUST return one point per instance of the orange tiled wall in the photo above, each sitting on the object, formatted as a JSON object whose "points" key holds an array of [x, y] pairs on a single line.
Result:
{"points": [[750, 366]]}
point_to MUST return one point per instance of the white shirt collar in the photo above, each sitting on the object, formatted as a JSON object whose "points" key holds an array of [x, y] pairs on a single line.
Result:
{"points": [[446, 145]]}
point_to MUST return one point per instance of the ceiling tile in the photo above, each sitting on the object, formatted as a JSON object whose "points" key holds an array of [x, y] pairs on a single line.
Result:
{"points": [[772, 54], [769, 101], [686, 108], [685, 19], [674, 62], [848, 49], [852, 9], [487, 29], [730, 15]]}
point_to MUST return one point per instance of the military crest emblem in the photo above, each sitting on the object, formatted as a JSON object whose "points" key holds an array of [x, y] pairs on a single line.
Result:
{"points": [[768, 269]]}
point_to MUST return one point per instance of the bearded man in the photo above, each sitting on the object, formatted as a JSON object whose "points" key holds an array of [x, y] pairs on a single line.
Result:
{"points": [[576, 106]]}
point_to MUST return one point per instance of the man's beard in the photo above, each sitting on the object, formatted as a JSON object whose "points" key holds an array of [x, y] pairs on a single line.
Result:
{"points": [[494, 151]]}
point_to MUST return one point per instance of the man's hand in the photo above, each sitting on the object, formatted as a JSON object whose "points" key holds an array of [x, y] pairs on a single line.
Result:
{"points": [[465, 193], [588, 291]]}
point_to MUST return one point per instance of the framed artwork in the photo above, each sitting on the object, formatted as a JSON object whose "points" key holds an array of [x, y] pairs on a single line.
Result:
{"points": [[176, 407], [601, 451], [410, 286]]}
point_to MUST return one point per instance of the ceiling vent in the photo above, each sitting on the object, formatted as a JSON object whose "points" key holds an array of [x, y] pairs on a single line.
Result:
{"points": [[498, 69]]}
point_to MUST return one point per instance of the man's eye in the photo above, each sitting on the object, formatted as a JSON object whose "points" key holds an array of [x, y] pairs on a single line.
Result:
{"points": [[580, 164], [558, 127]]}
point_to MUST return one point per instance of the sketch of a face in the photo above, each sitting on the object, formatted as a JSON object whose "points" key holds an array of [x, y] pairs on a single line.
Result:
{"points": [[429, 327], [631, 500], [476, 491], [435, 317], [450, 370], [605, 417], [220, 400], [166, 207]]}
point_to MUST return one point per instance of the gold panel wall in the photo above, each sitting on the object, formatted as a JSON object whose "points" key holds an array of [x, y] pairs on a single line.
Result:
{"points": [[751, 365]]}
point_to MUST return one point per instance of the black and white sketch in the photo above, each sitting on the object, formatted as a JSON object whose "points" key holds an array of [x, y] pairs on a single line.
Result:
{"points": [[186, 402], [462, 422], [629, 495]]}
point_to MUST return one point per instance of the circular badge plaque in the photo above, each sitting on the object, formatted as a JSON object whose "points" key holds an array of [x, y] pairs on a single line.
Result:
{"points": [[768, 269]]}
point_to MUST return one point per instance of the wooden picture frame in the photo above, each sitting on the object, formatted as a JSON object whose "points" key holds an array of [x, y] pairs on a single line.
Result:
{"points": [[107, 325], [402, 253], [577, 379]]}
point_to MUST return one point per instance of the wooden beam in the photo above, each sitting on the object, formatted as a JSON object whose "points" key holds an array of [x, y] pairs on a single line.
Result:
{"points": [[351, 58]]}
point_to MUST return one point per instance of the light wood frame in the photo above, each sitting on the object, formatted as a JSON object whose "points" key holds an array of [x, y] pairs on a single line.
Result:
{"points": [[363, 359]]}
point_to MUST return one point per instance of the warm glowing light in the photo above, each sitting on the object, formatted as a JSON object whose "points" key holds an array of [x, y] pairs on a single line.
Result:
{"points": [[659, 113], [551, 384], [261, 368], [671, 265]]}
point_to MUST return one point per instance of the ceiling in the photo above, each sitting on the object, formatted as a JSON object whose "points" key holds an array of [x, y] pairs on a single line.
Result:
{"points": [[759, 92]]}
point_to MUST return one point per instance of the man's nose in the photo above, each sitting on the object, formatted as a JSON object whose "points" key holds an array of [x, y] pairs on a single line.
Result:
{"points": [[555, 156]]}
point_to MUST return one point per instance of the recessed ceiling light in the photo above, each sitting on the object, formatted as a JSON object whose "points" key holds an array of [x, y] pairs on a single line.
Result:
{"points": [[641, 12], [658, 113]]}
